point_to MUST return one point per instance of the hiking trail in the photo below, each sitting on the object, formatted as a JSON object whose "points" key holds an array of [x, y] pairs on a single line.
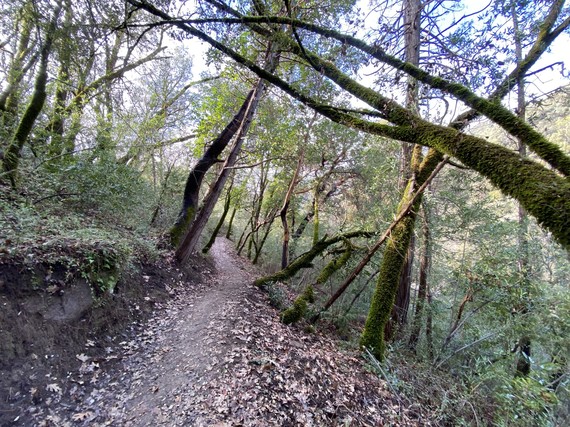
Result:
{"points": [[217, 355]]}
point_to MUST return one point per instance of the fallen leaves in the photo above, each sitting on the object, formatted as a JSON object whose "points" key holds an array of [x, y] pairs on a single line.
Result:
{"points": [[82, 357], [54, 388], [82, 416]]}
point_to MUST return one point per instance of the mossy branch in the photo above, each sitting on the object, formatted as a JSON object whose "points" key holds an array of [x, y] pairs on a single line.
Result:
{"points": [[545, 149], [299, 308], [542, 192], [431, 166], [305, 260], [335, 264]]}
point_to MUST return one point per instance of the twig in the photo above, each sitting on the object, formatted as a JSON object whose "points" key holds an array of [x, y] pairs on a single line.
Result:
{"points": [[35, 202], [464, 347]]}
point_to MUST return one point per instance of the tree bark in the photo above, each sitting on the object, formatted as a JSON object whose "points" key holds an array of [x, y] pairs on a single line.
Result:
{"points": [[259, 246], [190, 224], [393, 263], [423, 283], [412, 29], [12, 154], [57, 123], [285, 207], [210, 243], [429, 325], [231, 223], [199, 221], [523, 362]]}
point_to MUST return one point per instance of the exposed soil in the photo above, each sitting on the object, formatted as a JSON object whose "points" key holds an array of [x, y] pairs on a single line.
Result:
{"points": [[213, 354]]}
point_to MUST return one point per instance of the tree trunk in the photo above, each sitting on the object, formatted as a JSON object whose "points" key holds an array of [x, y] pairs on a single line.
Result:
{"points": [[57, 123], [359, 293], [319, 189], [196, 175], [259, 247], [220, 222], [412, 29], [523, 362], [12, 154], [285, 207], [199, 221], [316, 221], [161, 195], [393, 263], [285, 252], [429, 325], [296, 311], [423, 284], [231, 223]]}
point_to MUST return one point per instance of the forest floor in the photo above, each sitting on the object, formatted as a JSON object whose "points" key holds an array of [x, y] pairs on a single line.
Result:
{"points": [[215, 354]]}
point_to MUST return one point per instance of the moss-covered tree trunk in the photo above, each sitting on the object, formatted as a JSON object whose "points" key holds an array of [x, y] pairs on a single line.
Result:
{"points": [[12, 154], [299, 307], [196, 175], [21, 62], [200, 218], [56, 126], [393, 263], [405, 210], [523, 362]]}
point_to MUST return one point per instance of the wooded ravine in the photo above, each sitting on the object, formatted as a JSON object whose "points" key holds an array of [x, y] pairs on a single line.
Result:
{"points": [[288, 212]]}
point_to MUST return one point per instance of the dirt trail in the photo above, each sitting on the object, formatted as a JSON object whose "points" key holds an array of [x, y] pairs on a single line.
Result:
{"points": [[217, 355], [187, 348], [179, 351]]}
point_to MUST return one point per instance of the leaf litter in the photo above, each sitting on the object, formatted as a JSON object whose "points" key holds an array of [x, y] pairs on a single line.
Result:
{"points": [[216, 354]]}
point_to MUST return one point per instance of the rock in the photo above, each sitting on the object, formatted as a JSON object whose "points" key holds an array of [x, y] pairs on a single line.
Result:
{"points": [[71, 305]]}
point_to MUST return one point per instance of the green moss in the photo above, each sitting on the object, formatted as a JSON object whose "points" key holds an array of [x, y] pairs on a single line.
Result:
{"points": [[336, 264], [393, 263], [306, 259], [179, 229], [387, 287], [299, 308]]}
